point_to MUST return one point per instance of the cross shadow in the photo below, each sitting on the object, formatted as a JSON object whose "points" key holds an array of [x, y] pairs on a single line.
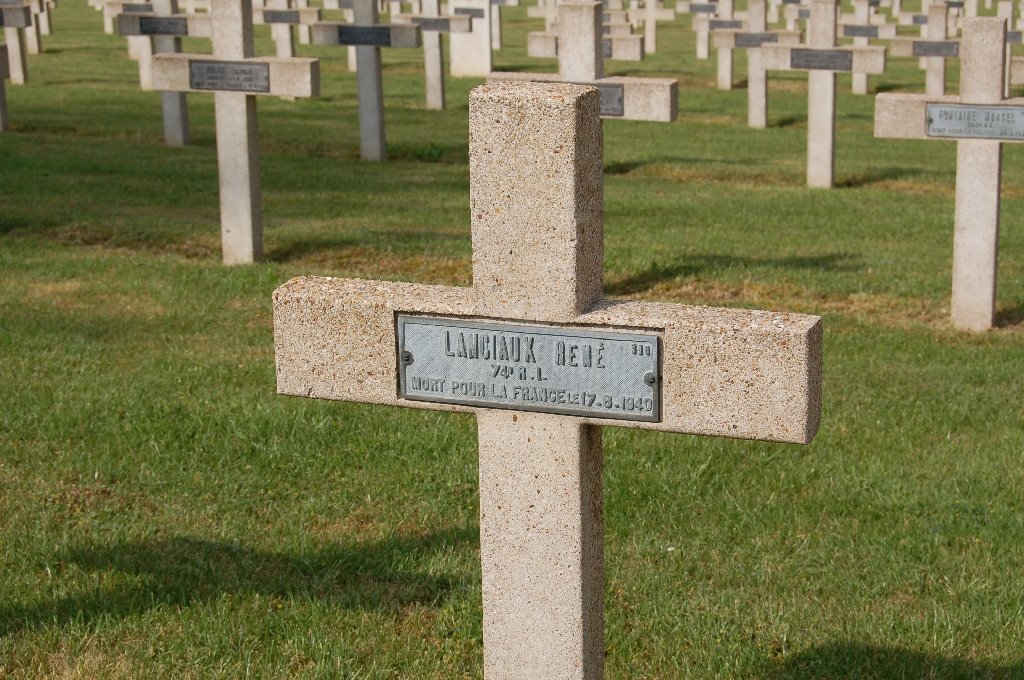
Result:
{"points": [[658, 273], [857, 661], [1010, 317], [183, 571], [875, 176], [788, 121], [626, 167]]}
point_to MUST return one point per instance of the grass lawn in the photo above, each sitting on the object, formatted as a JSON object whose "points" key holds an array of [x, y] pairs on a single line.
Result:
{"points": [[164, 514]]}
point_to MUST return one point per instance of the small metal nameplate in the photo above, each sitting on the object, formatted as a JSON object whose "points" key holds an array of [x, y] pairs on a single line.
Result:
{"points": [[791, 2], [136, 8], [606, 48], [755, 39], [474, 12], [955, 4], [959, 121], [163, 26], [803, 14], [280, 16], [1014, 37], [874, 3], [433, 24], [229, 76], [613, 99], [571, 371], [920, 19], [860, 31], [724, 24], [821, 60], [703, 9], [373, 36], [945, 49]]}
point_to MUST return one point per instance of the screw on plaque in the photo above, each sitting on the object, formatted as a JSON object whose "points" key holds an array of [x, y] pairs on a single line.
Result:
{"points": [[406, 357], [650, 379]]}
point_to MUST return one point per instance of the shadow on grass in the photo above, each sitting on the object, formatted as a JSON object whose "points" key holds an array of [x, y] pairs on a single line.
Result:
{"points": [[182, 571], [690, 266], [853, 661], [875, 176], [626, 167], [788, 121], [1010, 317]]}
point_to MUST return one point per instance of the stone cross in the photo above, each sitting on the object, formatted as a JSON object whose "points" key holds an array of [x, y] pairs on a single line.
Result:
{"points": [[433, 25], [700, 27], [16, 18], [368, 36], [470, 53], [235, 77], [751, 39], [652, 14], [28, 35], [862, 29], [618, 43], [980, 120], [544, 361], [822, 59], [281, 16], [934, 51], [580, 60], [5, 73], [163, 30]]}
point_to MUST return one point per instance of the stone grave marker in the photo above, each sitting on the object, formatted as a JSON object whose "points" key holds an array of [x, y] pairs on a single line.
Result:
{"points": [[368, 36], [702, 13], [822, 60], [751, 39], [862, 29], [580, 60], [470, 53], [652, 13], [935, 50], [545, 362], [235, 77], [433, 26], [16, 18], [615, 46], [980, 120], [164, 28], [28, 35]]}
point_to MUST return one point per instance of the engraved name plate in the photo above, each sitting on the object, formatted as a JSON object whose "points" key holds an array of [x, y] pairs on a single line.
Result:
{"points": [[572, 371], [280, 16], [613, 99], [1014, 37], [376, 36], [955, 4], [803, 14], [821, 60], [983, 122], [723, 24], [163, 25], [924, 48], [703, 9], [234, 76], [431, 24], [860, 31], [136, 8], [920, 19], [755, 39], [474, 12]]}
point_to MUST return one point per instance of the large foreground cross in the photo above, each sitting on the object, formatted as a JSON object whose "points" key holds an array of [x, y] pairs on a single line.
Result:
{"points": [[544, 361], [235, 76], [980, 120]]}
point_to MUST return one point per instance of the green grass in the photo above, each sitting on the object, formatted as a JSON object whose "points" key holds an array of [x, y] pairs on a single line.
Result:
{"points": [[164, 514]]}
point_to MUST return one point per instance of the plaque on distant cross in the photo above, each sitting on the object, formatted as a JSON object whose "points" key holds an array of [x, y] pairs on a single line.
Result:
{"points": [[825, 60]]}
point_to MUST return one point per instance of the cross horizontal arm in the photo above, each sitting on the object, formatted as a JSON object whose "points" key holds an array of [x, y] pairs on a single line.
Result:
{"points": [[191, 25], [905, 116], [376, 35], [274, 76], [869, 59], [725, 372], [729, 39], [300, 16], [915, 47], [16, 17], [449, 23], [642, 98]]}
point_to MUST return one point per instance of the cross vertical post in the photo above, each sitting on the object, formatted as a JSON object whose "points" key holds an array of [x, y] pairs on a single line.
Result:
{"points": [[173, 104], [821, 100], [16, 19]]}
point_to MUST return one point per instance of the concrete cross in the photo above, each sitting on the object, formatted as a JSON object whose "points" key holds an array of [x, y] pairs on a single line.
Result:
{"points": [[544, 362], [368, 36], [235, 76], [29, 34], [580, 60], [707, 24], [433, 25], [934, 51], [865, 25], [618, 43], [980, 120], [752, 38], [16, 19], [822, 59], [700, 27], [162, 31], [281, 16], [470, 53], [652, 14]]}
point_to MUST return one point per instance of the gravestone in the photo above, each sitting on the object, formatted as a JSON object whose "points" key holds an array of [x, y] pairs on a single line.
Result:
{"points": [[580, 60], [701, 11], [433, 26], [751, 39], [368, 36], [822, 60], [470, 53], [981, 120], [545, 362], [652, 13], [16, 18], [614, 46], [934, 51], [862, 29], [164, 28], [235, 77]]}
